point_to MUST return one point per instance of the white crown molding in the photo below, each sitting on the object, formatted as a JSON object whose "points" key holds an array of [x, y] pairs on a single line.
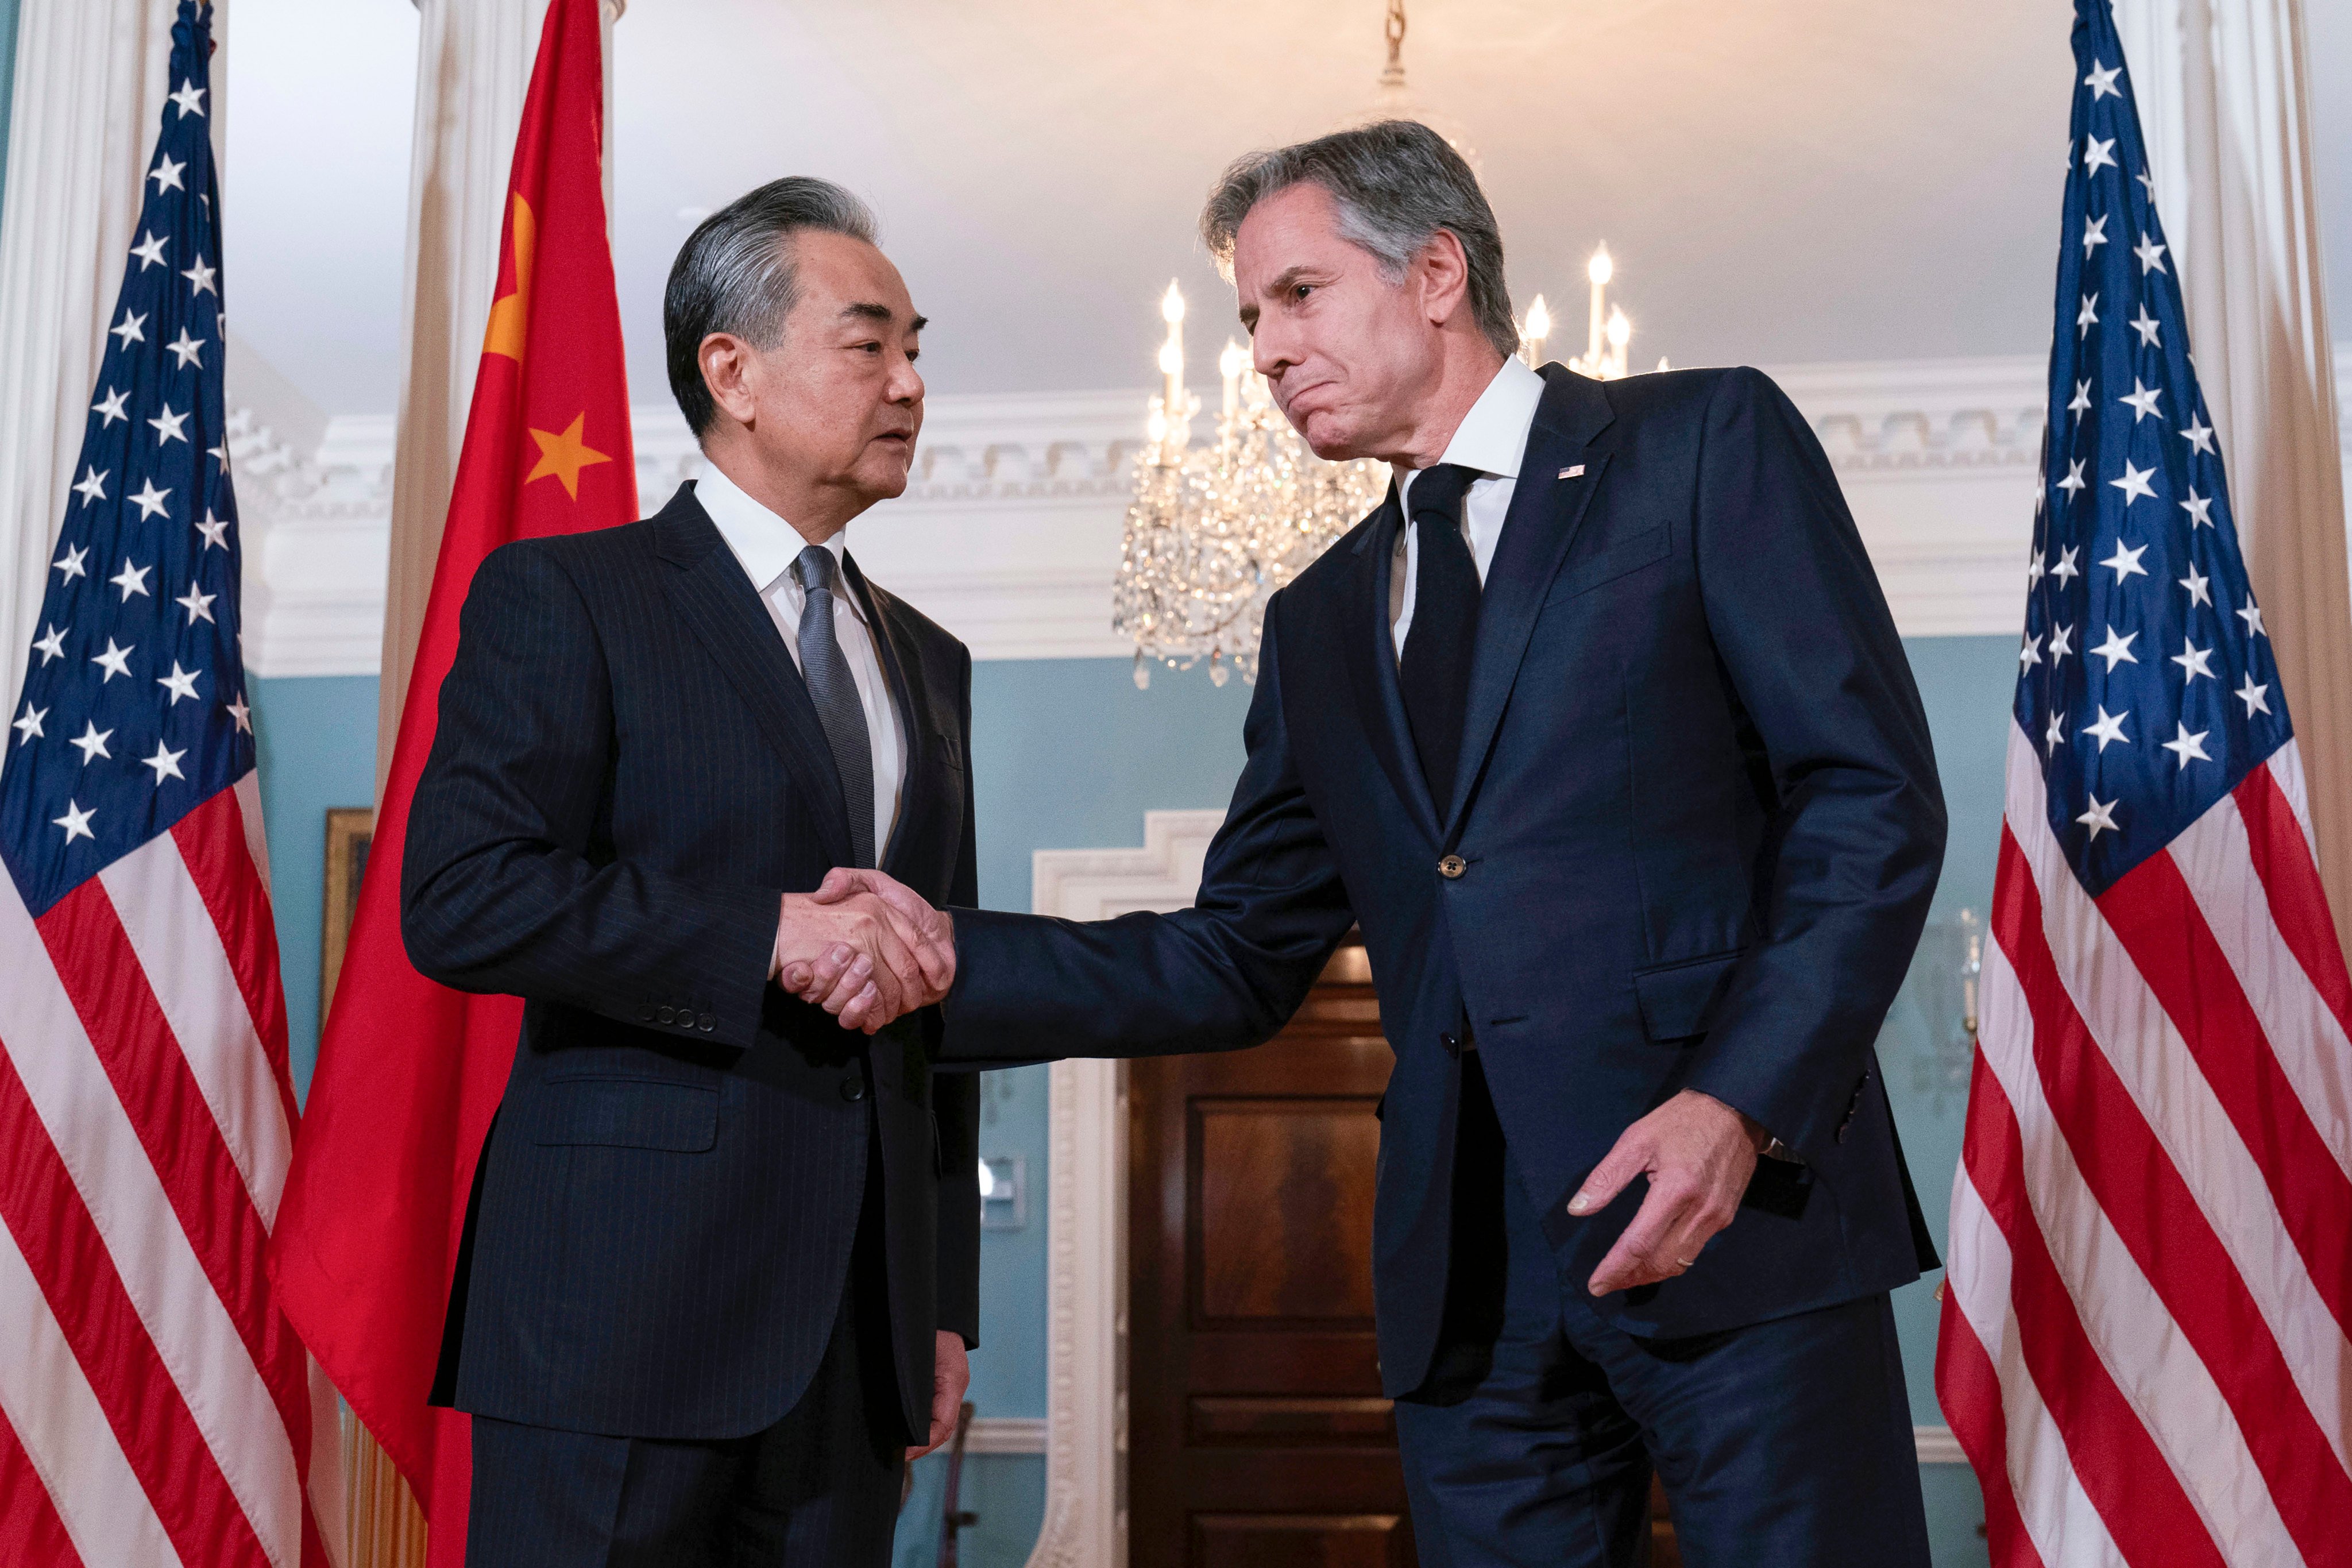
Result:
{"points": [[1009, 533]]}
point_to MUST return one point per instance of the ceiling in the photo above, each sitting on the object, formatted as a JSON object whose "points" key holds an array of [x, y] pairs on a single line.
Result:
{"points": [[1780, 180]]}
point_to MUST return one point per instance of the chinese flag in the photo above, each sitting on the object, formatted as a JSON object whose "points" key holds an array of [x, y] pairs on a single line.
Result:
{"points": [[409, 1072]]}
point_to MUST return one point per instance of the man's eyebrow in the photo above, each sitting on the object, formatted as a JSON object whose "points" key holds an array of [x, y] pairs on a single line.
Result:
{"points": [[869, 310]]}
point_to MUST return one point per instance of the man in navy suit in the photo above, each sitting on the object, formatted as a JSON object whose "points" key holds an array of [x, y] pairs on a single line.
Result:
{"points": [[1600, 729], [721, 1262]]}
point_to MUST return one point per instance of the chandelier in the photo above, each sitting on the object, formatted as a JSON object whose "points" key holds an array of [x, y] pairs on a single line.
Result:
{"points": [[1608, 334], [1214, 530]]}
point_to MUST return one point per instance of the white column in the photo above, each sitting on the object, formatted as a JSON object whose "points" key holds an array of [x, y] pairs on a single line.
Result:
{"points": [[474, 62], [89, 91], [2224, 101], [474, 59]]}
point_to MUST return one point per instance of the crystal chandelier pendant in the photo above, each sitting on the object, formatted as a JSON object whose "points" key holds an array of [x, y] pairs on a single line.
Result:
{"points": [[1214, 530]]}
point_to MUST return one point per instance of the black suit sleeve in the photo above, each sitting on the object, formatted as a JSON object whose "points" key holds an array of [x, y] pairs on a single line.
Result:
{"points": [[1857, 837], [955, 1101], [1226, 973], [503, 887]]}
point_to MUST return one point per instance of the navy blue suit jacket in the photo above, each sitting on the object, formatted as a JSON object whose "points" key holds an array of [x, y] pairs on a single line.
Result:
{"points": [[627, 775], [1699, 826]]}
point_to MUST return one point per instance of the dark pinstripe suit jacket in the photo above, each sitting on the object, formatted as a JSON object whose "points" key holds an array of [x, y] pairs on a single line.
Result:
{"points": [[627, 774]]}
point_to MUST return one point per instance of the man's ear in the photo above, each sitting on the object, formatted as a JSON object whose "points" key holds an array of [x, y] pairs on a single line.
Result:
{"points": [[1443, 269], [727, 371]]}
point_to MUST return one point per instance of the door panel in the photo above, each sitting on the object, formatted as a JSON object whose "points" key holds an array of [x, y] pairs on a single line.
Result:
{"points": [[1278, 1213]]}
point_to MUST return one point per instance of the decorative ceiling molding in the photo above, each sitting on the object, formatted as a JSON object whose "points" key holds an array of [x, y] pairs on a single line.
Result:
{"points": [[1009, 533]]}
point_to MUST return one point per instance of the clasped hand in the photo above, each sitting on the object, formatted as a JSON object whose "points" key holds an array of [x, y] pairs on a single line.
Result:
{"points": [[865, 948]]}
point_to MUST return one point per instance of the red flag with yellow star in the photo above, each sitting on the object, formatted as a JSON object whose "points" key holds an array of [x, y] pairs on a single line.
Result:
{"points": [[409, 1072]]}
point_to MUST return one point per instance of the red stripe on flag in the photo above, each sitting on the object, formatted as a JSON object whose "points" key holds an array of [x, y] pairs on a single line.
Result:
{"points": [[2151, 1209], [314, 1545], [212, 841], [1970, 1390], [2126, 1476], [2155, 916], [2290, 876], [30, 1530], [159, 1095], [60, 1244]]}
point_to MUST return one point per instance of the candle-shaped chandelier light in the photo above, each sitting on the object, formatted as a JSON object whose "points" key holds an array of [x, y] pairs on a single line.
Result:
{"points": [[1608, 332], [1214, 530]]}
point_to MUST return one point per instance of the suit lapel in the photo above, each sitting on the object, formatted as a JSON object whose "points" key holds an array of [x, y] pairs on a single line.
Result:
{"points": [[900, 665], [1546, 513], [1373, 665], [723, 609]]}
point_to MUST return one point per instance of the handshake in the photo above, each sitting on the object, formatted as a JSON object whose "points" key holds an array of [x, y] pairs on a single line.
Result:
{"points": [[865, 948]]}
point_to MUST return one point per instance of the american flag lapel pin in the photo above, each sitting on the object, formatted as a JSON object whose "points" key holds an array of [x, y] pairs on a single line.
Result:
{"points": [[1573, 473]]}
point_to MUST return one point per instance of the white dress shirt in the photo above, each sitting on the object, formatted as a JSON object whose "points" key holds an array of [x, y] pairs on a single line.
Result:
{"points": [[765, 546], [1493, 437]]}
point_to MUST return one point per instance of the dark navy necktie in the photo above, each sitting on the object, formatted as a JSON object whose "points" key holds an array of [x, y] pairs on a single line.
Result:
{"points": [[1435, 670], [834, 692]]}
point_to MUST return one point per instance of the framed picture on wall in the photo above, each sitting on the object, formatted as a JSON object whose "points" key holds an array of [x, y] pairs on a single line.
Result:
{"points": [[348, 829]]}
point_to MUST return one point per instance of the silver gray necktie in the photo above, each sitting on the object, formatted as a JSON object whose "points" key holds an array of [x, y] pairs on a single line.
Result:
{"points": [[834, 692]]}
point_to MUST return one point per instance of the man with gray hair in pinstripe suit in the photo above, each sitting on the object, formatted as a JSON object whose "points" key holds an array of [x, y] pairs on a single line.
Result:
{"points": [[721, 1268]]}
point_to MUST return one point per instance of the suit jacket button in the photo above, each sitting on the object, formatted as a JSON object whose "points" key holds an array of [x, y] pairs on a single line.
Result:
{"points": [[854, 1089], [1452, 1044], [1451, 867], [706, 1023], [646, 1014], [666, 1014]]}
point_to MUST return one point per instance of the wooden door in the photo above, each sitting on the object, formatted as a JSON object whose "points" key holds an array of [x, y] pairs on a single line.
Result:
{"points": [[1257, 1435]]}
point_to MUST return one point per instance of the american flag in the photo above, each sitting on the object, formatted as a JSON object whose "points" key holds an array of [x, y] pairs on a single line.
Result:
{"points": [[2143, 1348], [154, 1406]]}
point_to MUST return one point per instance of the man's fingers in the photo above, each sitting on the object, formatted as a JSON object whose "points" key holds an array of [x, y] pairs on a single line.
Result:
{"points": [[1626, 1160], [922, 928], [864, 1011], [840, 883], [813, 981], [856, 977], [1639, 1258], [896, 973], [932, 967]]}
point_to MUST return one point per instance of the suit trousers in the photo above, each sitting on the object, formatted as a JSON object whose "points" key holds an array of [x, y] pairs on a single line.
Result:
{"points": [[1533, 1442], [819, 1488]]}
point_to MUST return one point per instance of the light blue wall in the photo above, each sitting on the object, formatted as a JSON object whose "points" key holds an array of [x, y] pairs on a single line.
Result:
{"points": [[316, 736], [1069, 754], [8, 9]]}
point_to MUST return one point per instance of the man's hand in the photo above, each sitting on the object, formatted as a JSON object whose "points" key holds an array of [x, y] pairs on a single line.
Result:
{"points": [[950, 1376], [880, 963], [1698, 1154], [832, 979]]}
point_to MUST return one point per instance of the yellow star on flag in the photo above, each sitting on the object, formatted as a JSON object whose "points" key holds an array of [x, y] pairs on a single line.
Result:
{"points": [[565, 455]]}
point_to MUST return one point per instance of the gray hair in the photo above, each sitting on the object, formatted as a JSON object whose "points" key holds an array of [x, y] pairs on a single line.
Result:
{"points": [[736, 274], [1396, 182]]}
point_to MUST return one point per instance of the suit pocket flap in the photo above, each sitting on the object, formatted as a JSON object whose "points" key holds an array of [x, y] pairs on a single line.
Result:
{"points": [[628, 1113], [1676, 999], [1613, 562]]}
